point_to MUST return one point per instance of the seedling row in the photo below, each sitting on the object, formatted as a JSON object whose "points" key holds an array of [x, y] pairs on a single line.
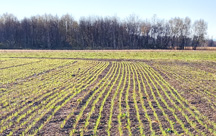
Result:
{"points": [[96, 97]]}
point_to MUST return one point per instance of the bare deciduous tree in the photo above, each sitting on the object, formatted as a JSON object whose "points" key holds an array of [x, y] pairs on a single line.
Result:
{"points": [[199, 31], [52, 32]]}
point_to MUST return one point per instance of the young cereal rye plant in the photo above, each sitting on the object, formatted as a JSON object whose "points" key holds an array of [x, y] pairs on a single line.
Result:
{"points": [[126, 101], [15, 73], [122, 115], [91, 112], [8, 63], [187, 118], [141, 97], [135, 101], [48, 107], [96, 101], [193, 83], [89, 82], [21, 110], [97, 72], [174, 90], [189, 110], [59, 95], [79, 90], [24, 91], [105, 98], [114, 97], [150, 104], [197, 76], [33, 110], [148, 73], [112, 69], [93, 107], [186, 130]]}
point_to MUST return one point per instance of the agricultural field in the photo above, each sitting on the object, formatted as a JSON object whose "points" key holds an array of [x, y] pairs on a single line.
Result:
{"points": [[107, 93]]}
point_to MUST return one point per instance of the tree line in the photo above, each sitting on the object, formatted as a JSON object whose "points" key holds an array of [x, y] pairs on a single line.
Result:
{"points": [[53, 32]]}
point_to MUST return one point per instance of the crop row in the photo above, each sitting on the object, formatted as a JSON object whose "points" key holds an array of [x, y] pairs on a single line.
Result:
{"points": [[13, 95], [148, 91], [200, 82], [203, 93], [104, 98], [48, 92], [14, 74], [8, 63]]}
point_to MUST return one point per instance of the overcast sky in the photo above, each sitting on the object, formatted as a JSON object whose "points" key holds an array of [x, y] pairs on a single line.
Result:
{"points": [[164, 9]]}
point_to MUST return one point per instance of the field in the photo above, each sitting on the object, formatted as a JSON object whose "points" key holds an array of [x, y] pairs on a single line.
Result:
{"points": [[138, 92]]}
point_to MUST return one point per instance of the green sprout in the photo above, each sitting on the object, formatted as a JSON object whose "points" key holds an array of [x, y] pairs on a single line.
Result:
{"points": [[168, 130]]}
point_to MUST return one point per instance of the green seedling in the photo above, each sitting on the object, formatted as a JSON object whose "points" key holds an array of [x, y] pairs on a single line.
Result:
{"points": [[124, 115], [168, 130], [78, 100]]}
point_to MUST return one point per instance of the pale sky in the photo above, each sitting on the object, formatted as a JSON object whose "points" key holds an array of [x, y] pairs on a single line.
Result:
{"points": [[145, 9]]}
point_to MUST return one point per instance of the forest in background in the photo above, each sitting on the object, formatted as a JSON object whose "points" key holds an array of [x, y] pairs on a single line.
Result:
{"points": [[53, 32]]}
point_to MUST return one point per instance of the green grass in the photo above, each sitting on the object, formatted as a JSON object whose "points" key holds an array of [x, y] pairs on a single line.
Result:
{"points": [[116, 54]]}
